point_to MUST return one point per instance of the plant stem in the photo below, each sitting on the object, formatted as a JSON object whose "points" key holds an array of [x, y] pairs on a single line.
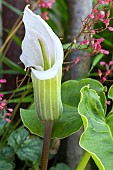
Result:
{"points": [[46, 144], [83, 161]]}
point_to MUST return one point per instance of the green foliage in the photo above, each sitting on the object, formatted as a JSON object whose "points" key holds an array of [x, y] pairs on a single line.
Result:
{"points": [[60, 166], [7, 154], [71, 91], [4, 165], [110, 93], [70, 122], [26, 147], [58, 18], [96, 139], [96, 60]]}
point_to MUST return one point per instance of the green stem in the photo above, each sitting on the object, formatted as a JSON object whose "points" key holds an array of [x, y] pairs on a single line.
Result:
{"points": [[46, 144], [83, 161]]}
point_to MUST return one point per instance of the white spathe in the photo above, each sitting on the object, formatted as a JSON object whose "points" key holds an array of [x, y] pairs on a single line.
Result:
{"points": [[42, 51], [36, 28]]}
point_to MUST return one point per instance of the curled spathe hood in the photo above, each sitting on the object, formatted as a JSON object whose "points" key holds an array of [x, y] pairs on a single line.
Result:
{"points": [[32, 56]]}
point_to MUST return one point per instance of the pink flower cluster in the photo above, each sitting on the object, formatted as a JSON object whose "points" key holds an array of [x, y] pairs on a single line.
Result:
{"points": [[5, 112], [99, 14], [109, 68], [104, 2], [47, 5]]}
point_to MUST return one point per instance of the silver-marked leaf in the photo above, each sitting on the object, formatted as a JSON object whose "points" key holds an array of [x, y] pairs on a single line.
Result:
{"points": [[25, 146], [4, 165]]}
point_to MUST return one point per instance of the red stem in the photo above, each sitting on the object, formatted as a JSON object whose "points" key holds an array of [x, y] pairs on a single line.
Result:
{"points": [[46, 145]]}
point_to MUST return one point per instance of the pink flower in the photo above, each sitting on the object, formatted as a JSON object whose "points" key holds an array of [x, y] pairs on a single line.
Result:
{"points": [[107, 22], [110, 28], [91, 16], [100, 40], [102, 63], [95, 10], [49, 4], [102, 14], [107, 73], [3, 103], [104, 51], [103, 78], [99, 73], [93, 32], [105, 1], [2, 80], [108, 14], [1, 107], [44, 4], [44, 15], [1, 95], [77, 60], [8, 120], [10, 109], [8, 114], [108, 102], [85, 42], [111, 63]]}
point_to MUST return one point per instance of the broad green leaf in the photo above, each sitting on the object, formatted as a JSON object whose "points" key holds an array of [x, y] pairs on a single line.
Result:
{"points": [[96, 60], [110, 93], [69, 123], [25, 146], [4, 165], [60, 166], [96, 138], [71, 91]]}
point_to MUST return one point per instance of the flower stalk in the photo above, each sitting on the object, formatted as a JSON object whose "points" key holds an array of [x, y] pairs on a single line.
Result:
{"points": [[46, 144]]}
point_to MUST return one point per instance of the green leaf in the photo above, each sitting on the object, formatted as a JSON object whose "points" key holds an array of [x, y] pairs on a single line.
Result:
{"points": [[60, 166], [96, 139], [7, 154], [96, 60], [109, 121], [13, 65], [27, 99], [110, 93], [69, 123], [25, 146], [71, 91], [4, 165]]}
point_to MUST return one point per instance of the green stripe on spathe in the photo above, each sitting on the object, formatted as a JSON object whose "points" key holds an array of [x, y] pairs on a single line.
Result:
{"points": [[47, 97], [46, 63]]}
